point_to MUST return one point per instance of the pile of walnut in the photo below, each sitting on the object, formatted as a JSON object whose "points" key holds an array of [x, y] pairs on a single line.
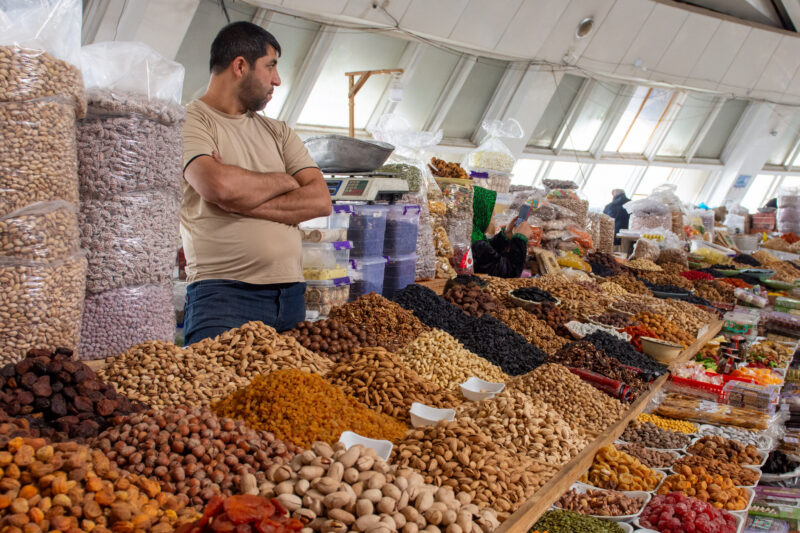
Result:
{"points": [[472, 299], [335, 490]]}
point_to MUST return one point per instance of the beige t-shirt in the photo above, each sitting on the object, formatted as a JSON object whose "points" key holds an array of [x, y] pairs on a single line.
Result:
{"points": [[222, 245]]}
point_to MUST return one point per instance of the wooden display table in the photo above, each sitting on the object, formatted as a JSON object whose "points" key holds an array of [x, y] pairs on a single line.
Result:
{"points": [[527, 515]]}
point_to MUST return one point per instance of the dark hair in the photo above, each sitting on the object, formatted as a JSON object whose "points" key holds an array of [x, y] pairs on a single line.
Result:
{"points": [[240, 39]]}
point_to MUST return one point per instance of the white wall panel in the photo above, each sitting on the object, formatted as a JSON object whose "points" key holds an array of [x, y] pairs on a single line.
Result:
{"points": [[434, 18], [755, 52], [718, 56], [614, 37], [485, 27], [653, 39], [687, 45], [561, 38], [528, 30], [781, 68]]}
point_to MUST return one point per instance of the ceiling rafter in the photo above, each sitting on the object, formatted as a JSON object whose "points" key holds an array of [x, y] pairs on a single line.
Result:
{"points": [[308, 74], [450, 92]]}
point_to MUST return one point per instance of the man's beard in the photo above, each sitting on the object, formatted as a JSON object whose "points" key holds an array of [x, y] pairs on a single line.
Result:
{"points": [[252, 94]]}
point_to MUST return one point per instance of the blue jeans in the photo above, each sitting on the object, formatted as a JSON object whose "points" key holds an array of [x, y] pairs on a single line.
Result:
{"points": [[217, 305]]}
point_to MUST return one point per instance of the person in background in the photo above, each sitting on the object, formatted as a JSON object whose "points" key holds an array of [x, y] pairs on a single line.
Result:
{"points": [[504, 254], [248, 182], [773, 203], [617, 212]]}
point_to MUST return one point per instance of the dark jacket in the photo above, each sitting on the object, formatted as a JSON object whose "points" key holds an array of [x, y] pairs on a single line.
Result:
{"points": [[500, 256], [618, 213]]}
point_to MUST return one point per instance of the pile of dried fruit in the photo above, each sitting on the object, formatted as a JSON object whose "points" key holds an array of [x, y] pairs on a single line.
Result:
{"points": [[677, 513], [599, 503], [719, 491], [472, 299], [716, 447], [302, 408], [616, 470], [243, 513], [69, 487], [61, 397], [380, 380]]}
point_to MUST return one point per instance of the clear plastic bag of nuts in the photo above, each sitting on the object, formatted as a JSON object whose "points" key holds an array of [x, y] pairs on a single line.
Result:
{"points": [[38, 160], [43, 231], [117, 319], [41, 304], [127, 144], [40, 43], [131, 239]]}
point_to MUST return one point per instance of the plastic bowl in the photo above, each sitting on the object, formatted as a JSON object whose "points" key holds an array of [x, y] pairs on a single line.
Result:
{"points": [[477, 389], [423, 415], [661, 351], [382, 447]]}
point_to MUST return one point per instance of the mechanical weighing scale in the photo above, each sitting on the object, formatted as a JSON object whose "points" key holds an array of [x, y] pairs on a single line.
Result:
{"points": [[365, 187]]}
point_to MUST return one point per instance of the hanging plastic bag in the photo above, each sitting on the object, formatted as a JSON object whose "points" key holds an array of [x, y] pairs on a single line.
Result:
{"points": [[132, 68], [40, 42], [493, 154], [407, 162]]}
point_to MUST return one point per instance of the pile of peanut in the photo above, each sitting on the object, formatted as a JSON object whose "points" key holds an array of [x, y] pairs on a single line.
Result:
{"points": [[630, 284], [34, 73], [163, 374], [587, 409], [379, 380], [336, 490], [525, 425], [462, 456], [535, 331], [438, 357], [613, 289], [578, 299]]}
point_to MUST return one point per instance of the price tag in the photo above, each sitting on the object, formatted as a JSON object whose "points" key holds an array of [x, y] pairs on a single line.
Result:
{"points": [[709, 407], [791, 440]]}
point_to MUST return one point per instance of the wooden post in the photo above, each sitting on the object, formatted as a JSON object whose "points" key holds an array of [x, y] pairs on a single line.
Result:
{"points": [[355, 86]]}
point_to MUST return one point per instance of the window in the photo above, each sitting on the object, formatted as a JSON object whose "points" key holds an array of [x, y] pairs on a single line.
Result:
{"points": [[756, 195], [465, 116], [525, 171], [423, 89], [352, 51], [639, 121], [591, 117], [787, 141], [546, 130], [653, 177], [693, 114], [722, 128], [603, 180], [295, 37], [564, 170], [690, 182]]}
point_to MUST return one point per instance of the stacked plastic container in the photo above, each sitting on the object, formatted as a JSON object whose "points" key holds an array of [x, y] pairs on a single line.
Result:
{"points": [[399, 245], [326, 257], [367, 264], [42, 270]]}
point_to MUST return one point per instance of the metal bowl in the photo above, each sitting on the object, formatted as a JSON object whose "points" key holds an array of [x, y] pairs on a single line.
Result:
{"points": [[337, 153]]}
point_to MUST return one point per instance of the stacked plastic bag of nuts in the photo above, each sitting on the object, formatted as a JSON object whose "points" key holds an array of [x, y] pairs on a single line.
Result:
{"points": [[42, 270], [129, 157]]}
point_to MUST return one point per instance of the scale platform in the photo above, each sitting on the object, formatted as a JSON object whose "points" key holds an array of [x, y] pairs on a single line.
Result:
{"points": [[365, 186]]}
